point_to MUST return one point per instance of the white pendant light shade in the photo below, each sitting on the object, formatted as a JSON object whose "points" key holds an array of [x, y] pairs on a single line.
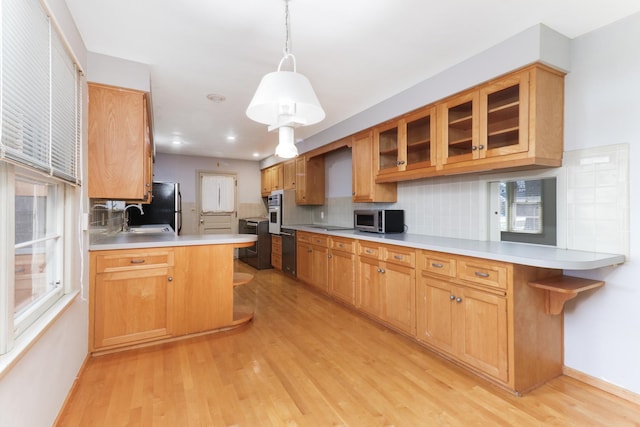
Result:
{"points": [[285, 97], [286, 148]]}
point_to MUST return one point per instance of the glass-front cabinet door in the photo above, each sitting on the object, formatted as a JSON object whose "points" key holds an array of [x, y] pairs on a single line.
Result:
{"points": [[387, 138], [459, 128], [420, 137], [504, 113]]}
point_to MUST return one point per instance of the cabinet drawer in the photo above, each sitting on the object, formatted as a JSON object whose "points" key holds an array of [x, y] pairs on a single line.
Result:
{"points": [[129, 260], [369, 250], [483, 272], [342, 244], [304, 237], [320, 240], [400, 256], [439, 264]]}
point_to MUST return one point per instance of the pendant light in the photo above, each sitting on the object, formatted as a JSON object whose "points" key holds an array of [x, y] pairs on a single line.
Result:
{"points": [[285, 100]]}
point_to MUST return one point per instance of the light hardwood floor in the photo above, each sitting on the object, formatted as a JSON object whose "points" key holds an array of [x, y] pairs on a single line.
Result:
{"points": [[307, 361]]}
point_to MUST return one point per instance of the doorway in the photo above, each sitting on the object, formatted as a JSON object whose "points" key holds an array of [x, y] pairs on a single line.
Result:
{"points": [[216, 202]]}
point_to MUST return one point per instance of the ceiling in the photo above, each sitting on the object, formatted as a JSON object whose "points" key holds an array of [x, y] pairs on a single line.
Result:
{"points": [[356, 53]]}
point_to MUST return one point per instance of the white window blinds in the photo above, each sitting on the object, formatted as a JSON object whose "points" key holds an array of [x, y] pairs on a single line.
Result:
{"points": [[40, 93]]}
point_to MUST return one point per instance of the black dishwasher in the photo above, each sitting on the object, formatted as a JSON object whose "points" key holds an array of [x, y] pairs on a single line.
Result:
{"points": [[288, 250]]}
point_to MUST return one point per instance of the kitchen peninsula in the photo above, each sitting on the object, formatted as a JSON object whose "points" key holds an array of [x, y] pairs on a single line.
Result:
{"points": [[147, 288]]}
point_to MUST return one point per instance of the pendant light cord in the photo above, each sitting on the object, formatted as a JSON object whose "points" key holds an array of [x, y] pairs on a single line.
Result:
{"points": [[287, 38]]}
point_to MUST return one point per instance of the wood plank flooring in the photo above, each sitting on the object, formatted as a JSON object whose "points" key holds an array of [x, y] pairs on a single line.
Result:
{"points": [[307, 361]]}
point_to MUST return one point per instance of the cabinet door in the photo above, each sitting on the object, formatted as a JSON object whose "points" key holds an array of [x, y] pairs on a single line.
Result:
{"points": [[310, 180], [436, 313], [459, 128], [289, 174], [399, 297], [342, 276], [265, 182], [117, 152], [369, 286], [304, 261], [277, 177], [364, 168], [482, 329], [131, 306], [386, 142], [504, 117], [419, 143], [320, 268]]}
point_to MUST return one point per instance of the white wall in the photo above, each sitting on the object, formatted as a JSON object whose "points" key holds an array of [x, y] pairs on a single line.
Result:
{"points": [[33, 391], [602, 107]]}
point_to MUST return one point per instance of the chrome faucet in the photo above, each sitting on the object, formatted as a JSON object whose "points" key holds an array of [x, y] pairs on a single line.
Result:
{"points": [[125, 215]]}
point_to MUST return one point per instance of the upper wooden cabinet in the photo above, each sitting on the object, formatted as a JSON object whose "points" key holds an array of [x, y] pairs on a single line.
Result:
{"points": [[271, 179], [289, 174], [514, 121], [407, 143], [310, 180], [120, 149], [364, 166]]}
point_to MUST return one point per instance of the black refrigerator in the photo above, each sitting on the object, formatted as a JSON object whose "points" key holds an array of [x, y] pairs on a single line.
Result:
{"points": [[165, 207]]}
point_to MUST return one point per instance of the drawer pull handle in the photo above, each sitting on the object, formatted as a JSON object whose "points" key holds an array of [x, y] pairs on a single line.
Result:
{"points": [[20, 270], [398, 256], [137, 261], [436, 265], [480, 274], [369, 251]]}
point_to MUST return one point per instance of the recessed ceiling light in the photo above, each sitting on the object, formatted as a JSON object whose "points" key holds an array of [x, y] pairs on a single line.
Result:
{"points": [[216, 97], [231, 138], [176, 142], [256, 154]]}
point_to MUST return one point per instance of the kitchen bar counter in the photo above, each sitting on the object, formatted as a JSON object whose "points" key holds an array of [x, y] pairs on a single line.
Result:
{"points": [[103, 242], [517, 253]]}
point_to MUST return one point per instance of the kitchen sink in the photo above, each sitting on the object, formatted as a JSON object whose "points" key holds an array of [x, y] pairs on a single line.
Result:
{"points": [[150, 229]]}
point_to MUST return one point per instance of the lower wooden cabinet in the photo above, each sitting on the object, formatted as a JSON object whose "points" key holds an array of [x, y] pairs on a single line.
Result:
{"points": [[143, 295], [132, 297], [466, 323], [480, 313], [386, 284], [483, 314], [342, 270], [313, 260]]}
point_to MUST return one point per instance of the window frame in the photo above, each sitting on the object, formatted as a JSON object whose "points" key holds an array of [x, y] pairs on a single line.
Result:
{"points": [[490, 204]]}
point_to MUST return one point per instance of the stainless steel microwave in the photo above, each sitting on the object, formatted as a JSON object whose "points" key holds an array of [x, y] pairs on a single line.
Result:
{"points": [[379, 220]]}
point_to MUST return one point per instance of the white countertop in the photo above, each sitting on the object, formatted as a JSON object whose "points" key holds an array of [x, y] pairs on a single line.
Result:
{"points": [[104, 242], [517, 253]]}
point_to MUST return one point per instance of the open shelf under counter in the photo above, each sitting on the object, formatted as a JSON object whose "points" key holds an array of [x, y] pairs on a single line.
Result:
{"points": [[561, 289]]}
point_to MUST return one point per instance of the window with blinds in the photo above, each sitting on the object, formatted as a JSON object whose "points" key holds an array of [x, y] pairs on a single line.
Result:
{"points": [[40, 93], [40, 136]]}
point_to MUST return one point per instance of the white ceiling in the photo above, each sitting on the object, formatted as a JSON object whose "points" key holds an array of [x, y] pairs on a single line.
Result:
{"points": [[356, 53]]}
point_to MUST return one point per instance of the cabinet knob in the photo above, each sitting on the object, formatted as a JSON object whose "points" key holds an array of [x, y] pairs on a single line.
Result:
{"points": [[381, 270], [474, 148], [452, 297], [170, 279], [480, 147], [329, 256], [458, 299], [309, 250]]}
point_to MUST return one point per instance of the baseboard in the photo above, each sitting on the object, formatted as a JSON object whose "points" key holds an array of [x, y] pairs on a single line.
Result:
{"points": [[602, 385], [72, 390]]}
